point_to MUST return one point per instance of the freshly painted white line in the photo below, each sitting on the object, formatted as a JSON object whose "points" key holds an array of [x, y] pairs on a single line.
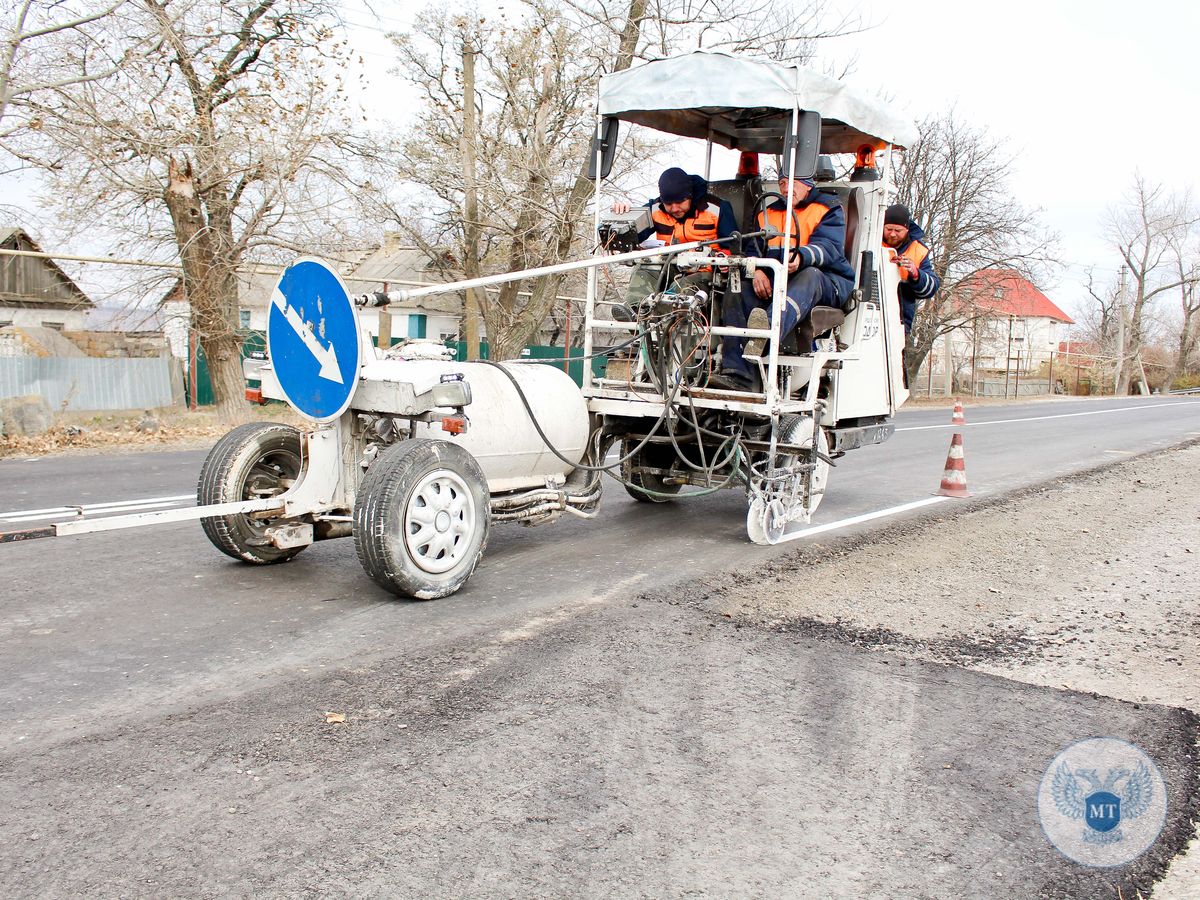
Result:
{"points": [[867, 517], [1093, 412], [96, 507], [1122, 452], [102, 511]]}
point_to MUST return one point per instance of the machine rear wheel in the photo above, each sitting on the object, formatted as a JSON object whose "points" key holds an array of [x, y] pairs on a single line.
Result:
{"points": [[421, 518], [256, 460], [650, 455]]}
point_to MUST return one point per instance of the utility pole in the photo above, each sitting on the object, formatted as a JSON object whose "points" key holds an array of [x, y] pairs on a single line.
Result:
{"points": [[949, 351], [1120, 332], [1008, 357], [470, 197]]}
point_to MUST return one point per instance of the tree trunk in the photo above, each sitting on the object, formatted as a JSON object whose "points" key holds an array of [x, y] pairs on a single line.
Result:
{"points": [[211, 289], [471, 302]]}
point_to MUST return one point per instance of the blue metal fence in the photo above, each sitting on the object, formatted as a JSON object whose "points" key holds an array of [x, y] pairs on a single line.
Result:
{"points": [[72, 383]]}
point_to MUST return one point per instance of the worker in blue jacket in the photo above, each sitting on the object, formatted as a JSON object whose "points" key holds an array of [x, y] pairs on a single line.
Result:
{"points": [[818, 273], [909, 250]]}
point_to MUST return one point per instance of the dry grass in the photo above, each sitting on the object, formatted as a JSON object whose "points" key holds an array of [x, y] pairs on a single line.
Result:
{"points": [[130, 430]]}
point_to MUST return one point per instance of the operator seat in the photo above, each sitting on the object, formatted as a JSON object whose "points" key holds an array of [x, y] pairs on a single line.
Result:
{"points": [[742, 193], [823, 319]]}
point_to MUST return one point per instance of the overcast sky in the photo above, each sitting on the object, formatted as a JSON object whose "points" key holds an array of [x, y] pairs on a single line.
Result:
{"points": [[1085, 93]]}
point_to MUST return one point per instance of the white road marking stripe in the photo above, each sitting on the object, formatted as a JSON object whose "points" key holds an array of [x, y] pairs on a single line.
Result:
{"points": [[1122, 452], [96, 507], [867, 517], [1092, 412]]}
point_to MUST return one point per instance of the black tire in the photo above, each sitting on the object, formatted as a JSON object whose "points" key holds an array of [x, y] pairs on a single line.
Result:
{"points": [[260, 459], [651, 455], [404, 483]]}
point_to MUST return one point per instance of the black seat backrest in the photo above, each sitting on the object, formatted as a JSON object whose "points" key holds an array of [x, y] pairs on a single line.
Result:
{"points": [[855, 203], [741, 194], [853, 206]]}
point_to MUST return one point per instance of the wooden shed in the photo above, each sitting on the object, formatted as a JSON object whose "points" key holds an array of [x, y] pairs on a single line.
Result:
{"points": [[35, 291]]}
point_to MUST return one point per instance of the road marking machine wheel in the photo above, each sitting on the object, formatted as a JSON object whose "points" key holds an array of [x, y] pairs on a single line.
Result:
{"points": [[252, 462], [650, 455], [421, 518], [793, 496]]}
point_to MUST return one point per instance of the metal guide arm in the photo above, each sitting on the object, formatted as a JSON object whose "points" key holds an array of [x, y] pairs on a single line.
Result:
{"points": [[133, 520], [450, 287]]}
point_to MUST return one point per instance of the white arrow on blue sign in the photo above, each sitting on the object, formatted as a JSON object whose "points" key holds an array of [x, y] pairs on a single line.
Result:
{"points": [[313, 340]]}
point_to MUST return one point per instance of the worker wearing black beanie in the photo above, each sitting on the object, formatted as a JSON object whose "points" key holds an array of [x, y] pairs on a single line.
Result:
{"points": [[908, 248], [897, 214]]}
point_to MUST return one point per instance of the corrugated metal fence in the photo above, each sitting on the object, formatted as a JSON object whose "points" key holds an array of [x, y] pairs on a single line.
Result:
{"points": [[89, 384]]}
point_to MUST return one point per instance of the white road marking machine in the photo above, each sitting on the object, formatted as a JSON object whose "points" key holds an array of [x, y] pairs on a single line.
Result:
{"points": [[416, 455]]}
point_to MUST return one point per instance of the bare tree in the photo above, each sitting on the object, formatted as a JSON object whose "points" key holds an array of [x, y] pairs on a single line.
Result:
{"points": [[1185, 266], [1098, 322], [223, 129], [955, 180], [531, 107], [1144, 229], [50, 45]]}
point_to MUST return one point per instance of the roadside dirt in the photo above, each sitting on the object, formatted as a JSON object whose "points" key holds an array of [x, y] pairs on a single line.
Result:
{"points": [[134, 430], [1088, 583]]}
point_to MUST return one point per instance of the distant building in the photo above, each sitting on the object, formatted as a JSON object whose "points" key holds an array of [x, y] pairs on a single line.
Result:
{"points": [[1009, 328], [388, 266], [1019, 327], [35, 292]]}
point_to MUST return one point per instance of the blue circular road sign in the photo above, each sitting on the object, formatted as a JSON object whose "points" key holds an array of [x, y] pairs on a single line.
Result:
{"points": [[313, 340]]}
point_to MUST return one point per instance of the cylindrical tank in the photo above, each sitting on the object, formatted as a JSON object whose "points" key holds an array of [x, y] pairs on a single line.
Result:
{"points": [[501, 435]]}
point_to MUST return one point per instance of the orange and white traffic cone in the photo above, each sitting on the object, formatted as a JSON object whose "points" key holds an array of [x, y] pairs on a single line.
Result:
{"points": [[954, 481], [957, 418]]}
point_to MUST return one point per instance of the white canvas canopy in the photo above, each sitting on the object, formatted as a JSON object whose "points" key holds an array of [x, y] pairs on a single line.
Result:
{"points": [[746, 104]]}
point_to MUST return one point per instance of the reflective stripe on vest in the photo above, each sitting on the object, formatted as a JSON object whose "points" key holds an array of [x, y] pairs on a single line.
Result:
{"points": [[700, 227], [803, 225], [916, 251]]}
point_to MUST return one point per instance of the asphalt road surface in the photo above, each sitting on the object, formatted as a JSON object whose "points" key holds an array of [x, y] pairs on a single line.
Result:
{"points": [[559, 726]]}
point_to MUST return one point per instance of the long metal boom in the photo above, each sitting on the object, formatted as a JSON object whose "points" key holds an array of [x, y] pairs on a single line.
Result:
{"points": [[488, 280]]}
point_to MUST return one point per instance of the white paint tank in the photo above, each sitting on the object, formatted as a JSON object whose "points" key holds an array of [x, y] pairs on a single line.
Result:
{"points": [[501, 436]]}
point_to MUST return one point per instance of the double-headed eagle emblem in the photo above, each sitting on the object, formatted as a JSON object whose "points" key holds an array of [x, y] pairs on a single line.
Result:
{"points": [[1102, 804]]}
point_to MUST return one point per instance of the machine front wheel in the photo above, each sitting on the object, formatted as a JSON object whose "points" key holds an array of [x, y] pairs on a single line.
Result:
{"points": [[252, 462], [421, 518]]}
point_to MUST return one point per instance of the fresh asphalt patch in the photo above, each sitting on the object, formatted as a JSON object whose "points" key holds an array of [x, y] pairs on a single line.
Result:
{"points": [[642, 747]]}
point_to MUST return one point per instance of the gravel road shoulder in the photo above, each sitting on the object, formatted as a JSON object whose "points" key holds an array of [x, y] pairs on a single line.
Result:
{"points": [[1089, 583]]}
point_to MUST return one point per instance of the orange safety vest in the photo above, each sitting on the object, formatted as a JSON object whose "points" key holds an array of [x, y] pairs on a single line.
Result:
{"points": [[916, 251], [803, 225], [700, 227]]}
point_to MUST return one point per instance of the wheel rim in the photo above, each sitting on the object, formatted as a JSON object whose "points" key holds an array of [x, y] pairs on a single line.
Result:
{"points": [[439, 521], [271, 475]]}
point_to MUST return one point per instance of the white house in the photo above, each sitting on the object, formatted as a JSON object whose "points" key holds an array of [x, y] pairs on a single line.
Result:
{"points": [[1009, 326]]}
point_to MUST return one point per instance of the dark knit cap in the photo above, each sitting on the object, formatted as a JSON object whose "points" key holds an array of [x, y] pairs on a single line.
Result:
{"points": [[674, 185], [897, 214]]}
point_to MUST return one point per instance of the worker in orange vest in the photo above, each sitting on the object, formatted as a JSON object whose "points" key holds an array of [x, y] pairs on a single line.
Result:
{"points": [[908, 248], [818, 274], [682, 212]]}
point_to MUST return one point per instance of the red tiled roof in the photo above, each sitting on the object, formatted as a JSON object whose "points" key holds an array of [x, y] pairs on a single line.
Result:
{"points": [[1018, 296]]}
